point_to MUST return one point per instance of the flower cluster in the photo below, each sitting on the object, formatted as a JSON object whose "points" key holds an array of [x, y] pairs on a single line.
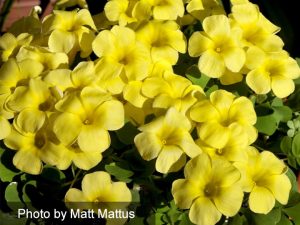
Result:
{"points": [[67, 83]]}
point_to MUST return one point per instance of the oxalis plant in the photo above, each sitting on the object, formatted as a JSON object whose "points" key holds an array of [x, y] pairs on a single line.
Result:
{"points": [[184, 113]]}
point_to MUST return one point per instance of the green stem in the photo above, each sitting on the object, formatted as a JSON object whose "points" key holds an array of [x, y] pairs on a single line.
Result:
{"points": [[75, 178]]}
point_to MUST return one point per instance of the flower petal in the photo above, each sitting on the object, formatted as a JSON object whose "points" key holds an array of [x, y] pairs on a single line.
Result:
{"points": [[282, 86], [259, 81], [211, 64], [168, 156], [204, 212], [229, 200], [185, 192], [148, 145], [261, 200], [93, 138], [198, 43]]}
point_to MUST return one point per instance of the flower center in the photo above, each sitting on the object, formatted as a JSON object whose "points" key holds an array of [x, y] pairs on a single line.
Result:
{"points": [[211, 190], [39, 141], [219, 151]]}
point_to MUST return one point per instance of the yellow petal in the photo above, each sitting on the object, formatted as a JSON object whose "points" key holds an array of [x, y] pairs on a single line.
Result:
{"points": [[254, 57], [110, 115], [214, 134], [75, 195], [185, 192], [261, 200], [198, 43], [259, 81], [164, 53], [92, 138], [168, 156], [94, 184], [61, 41], [292, 68], [5, 128], [234, 59], [203, 111], [104, 43], [211, 64], [204, 212], [282, 86], [87, 160], [229, 200], [216, 25], [60, 78], [148, 145], [67, 128], [242, 110], [120, 193], [229, 78], [201, 164], [174, 118], [274, 165], [132, 93], [222, 101], [30, 120], [195, 5], [28, 161]]}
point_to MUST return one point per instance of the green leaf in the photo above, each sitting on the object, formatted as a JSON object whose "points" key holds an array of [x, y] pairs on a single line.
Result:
{"points": [[9, 219], [6, 174], [293, 180], [155, 219], [11, 192], [293, 212], [296, 145], [282, 113], [237, 220], [196, 77], [185, 220], [212, 89], [120, 173], [284, 221], [52, 175], [266, 124], [272, 218], [286, 144], [127, 133]]}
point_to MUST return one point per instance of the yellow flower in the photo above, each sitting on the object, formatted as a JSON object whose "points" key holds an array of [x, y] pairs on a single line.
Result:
{"points": [[164, 39], [82, 159], [219, 47], [201, 9], [158, 9], [172, 90], [210, 189], [274, 71], [120, 11], [15, 74], [5, 127], [32, 148], [99, 192], [10, 45], [233, 151], [69, 31], [217, 116], [167, 138], [122, 58], [50, 60], [87, 116], [256, 29], [264, 177]]}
